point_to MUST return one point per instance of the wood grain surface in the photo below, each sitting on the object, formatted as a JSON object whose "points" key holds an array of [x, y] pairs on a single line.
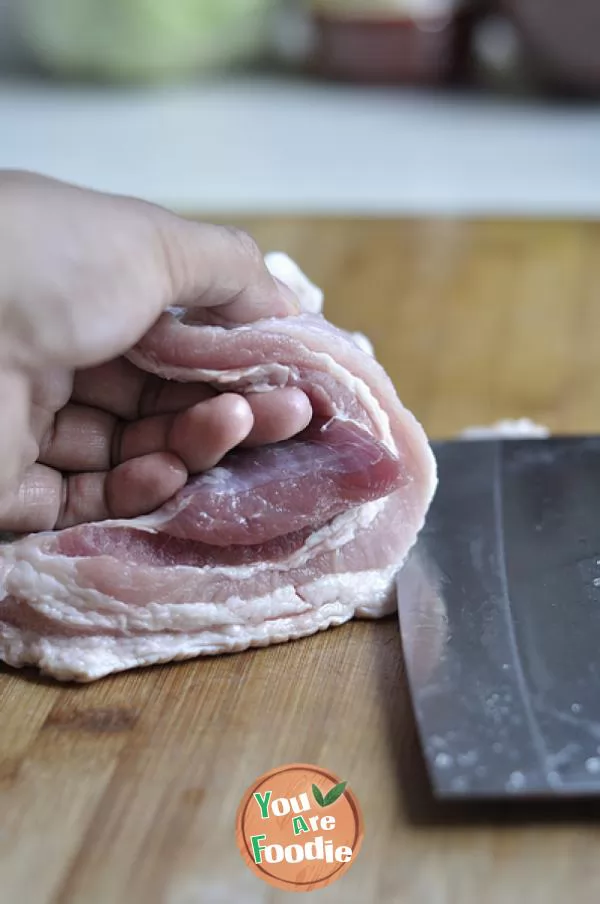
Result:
{"points": [[126, 790]]}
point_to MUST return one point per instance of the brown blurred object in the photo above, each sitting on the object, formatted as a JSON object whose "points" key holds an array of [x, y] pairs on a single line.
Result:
{"points": [[548, 46], [514, 46], [412, 42], [561, 38]]}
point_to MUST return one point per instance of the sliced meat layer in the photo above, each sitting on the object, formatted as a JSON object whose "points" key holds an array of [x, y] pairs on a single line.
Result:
{"points": [[257, 495]]}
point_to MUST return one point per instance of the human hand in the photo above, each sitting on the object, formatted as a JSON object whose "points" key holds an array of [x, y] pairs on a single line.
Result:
{"points": [[83, 276]]}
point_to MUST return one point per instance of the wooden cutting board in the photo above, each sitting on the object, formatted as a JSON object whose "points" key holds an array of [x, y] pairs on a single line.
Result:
{"points": [[126, 790]]}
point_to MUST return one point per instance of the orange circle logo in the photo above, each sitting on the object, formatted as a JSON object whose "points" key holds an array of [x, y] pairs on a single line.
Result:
{"points": [[299, 827]]}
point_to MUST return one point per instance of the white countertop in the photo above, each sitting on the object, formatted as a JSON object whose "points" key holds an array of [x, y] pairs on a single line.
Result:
{"points": [[275, 145]]}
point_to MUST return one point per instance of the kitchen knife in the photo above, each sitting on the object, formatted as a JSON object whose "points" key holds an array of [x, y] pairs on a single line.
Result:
{"points": [[499, 607]]}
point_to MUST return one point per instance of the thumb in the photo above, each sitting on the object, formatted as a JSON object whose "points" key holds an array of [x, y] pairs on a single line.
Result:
{"points": [[221, 267]]}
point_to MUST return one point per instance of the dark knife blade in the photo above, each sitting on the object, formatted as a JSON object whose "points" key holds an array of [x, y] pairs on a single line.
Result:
{"points": [[499, 607]]}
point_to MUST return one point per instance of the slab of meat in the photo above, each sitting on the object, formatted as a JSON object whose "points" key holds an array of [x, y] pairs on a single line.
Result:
{"points": [[273, 544]]}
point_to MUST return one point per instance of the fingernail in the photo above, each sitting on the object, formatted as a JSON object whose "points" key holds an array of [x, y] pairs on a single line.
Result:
{"points": [[290, 297]]}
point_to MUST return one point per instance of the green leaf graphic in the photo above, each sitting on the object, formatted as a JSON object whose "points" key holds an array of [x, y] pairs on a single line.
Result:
{"points": [[318, 796], [333, 794]]}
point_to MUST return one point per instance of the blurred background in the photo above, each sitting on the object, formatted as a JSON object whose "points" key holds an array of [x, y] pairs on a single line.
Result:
{"points": [[307, 106]]}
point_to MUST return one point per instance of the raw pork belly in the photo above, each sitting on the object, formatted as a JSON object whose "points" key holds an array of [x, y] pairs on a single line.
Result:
{"points": [[273, 544]]}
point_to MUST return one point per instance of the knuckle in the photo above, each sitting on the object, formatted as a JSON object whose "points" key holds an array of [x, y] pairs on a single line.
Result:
{"points": [[246, 244]]}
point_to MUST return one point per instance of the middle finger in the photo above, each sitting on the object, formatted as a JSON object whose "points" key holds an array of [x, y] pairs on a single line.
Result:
{"points": [[205, 432], [84, 438]]}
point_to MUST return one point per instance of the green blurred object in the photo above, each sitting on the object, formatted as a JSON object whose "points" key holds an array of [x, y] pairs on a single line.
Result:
{"points": [[143, 40]]}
